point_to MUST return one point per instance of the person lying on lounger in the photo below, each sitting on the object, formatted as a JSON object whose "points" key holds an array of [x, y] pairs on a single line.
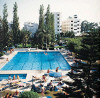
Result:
{"points": [[44, 78], [36, 78], [49, 84]]}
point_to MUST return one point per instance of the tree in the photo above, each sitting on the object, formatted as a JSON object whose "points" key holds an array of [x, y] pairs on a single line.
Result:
{"points": [[24, 36], [88, 26], [47, 24], [69, 34], [5, 26], [10, 38], [34, 40], [41, 19], [90, 53], [41, 39], [45, 33], [52, 28], [74, 44], [16, 31], [1, 35], [29, 94]]}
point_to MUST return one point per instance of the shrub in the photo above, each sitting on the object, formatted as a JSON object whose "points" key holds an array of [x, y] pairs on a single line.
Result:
{"points": [[29, 94], [1, 54]]}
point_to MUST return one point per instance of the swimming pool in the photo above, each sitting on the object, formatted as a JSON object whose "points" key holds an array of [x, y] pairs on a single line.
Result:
{"points": [[5, 76], [37, 61]]}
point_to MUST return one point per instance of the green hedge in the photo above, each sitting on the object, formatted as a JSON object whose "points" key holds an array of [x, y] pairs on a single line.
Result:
{"points": [[59, 47], [29, 94], [1, 54], [21, 46]]}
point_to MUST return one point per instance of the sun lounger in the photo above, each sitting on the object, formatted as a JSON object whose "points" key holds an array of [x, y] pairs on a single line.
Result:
{"points": [[3, 87]]}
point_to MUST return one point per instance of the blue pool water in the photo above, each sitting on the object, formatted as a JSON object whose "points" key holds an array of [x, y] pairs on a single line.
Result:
{"points": [[5, 76], [37, 61]]}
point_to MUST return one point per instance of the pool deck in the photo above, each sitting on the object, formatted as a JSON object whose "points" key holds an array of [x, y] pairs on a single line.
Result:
{"points": [[29, 73]]}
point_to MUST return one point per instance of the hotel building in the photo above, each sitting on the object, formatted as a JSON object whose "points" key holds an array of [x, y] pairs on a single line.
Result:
{"points": [[72, 24]]}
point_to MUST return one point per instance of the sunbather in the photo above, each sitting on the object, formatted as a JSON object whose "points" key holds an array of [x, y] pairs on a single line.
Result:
{"points": [[7, 95], [36, 78], [18, 77], [42, 91], [55, 88], [34, 88], [49, 84], [7, 59], [9, 78], [57, 69], [10, 96], [59, 83], [48, 71], [44, 78]]}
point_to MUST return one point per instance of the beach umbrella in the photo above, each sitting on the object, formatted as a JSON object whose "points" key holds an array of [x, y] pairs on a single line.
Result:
{"points": [[55, 74]]}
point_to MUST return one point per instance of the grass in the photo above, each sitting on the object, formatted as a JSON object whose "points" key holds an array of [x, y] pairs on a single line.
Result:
{"points": [[53, 94]]}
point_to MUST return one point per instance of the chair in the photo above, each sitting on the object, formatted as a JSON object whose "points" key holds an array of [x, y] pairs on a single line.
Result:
{"points": [[3, 87]]}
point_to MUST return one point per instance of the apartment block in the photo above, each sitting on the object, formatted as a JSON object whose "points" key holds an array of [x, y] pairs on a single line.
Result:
{"points": [[57, 22], [72, 24]]}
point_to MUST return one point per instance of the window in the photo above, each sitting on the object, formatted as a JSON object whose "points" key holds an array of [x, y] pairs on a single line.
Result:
{"points": [[71, 28], [71, 24], [58, 22], [58, 30], [57, 14], [75, 16], [71, 21], [58, 19]]}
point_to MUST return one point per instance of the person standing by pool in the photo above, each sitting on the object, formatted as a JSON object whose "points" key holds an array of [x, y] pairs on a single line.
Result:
{"points": [[48, 71], [7, 59], [18, 77], [14, 77], [57, 69]]}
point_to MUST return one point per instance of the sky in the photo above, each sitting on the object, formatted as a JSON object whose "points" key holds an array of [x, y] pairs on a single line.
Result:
{"points": [[28, 10]]}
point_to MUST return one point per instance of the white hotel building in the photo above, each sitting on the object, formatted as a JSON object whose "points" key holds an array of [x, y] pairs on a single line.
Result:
{"points": [[57, 22], [72, 24]]}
